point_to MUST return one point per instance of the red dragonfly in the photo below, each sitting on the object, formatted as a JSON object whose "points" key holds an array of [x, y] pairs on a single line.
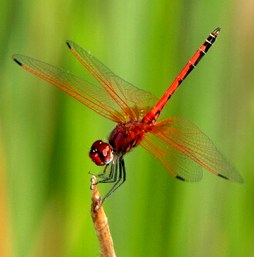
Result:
{"points": [[179, 145]]}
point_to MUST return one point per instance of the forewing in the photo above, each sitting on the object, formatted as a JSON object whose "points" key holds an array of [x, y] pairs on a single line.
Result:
{"points": [[94, 97], [183, 149], [131, 101]]}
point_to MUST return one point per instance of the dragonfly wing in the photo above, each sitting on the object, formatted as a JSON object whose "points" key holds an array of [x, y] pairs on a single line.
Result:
{"points": [[94, 97], [132, 101], [183, 149]]}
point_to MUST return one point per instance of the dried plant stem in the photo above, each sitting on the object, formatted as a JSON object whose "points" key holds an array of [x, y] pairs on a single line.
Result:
{"points": [[100, 222]]}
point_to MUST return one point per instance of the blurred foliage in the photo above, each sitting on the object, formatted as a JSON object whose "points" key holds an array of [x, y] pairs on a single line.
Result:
{"points": [[45, 135]]}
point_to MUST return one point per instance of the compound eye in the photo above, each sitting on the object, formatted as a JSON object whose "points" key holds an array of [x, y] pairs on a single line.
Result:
{"points": [[101, 153]]}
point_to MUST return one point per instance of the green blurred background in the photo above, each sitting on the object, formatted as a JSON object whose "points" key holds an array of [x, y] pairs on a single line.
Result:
{"points": [[45, 135]]}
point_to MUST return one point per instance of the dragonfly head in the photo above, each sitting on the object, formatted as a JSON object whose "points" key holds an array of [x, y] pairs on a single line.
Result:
{"points": [[101, 153]]}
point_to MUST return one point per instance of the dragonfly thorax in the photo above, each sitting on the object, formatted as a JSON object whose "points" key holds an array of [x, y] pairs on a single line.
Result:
{"points": [[125, 136], [101, 153]]}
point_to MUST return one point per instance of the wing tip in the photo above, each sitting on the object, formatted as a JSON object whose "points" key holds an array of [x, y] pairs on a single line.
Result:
{"points": [[180, 178], [68, 43], [16, 60], [222, 176], [237, 179]]}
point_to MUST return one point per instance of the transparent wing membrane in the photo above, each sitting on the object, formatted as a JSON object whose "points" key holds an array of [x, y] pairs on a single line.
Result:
{"points": [[93, 96], [127, 96], [183, 148], [115, 99]]}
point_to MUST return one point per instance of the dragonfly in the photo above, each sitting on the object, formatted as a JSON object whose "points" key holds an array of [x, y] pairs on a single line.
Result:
{"points": [[181, 147]]}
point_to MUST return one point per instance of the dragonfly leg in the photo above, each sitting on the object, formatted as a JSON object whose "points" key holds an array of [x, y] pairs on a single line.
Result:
{"points": [[117, 175], [118, 180], [112, 177], [101, 175]]}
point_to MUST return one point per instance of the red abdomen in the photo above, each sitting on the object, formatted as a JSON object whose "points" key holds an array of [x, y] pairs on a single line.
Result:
{"points": [[125, 136]]}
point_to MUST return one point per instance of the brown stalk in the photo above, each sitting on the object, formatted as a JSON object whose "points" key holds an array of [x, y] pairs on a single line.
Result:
{"points": [[100, 222]]}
